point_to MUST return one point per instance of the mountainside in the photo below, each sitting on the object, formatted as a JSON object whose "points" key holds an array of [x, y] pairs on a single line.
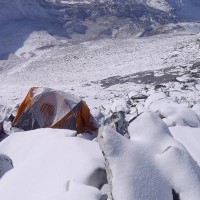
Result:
{"points": [[79, 17], [80, 20], [96, 19]]}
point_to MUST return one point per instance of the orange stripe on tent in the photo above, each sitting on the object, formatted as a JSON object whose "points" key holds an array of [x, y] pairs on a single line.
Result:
{"points": [[82, 117], [61, 122], [26, 103], [84, 121]]}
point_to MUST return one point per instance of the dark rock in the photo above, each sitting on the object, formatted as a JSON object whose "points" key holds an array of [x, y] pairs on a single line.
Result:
{"points": [[175, 195], [196, 65], [6, 164], [106, 32], [3, 135], [159, 86], [79, 28]]}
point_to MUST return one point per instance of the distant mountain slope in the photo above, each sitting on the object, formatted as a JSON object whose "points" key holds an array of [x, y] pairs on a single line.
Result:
{"points": [[183, 9], [83, 20], [151, 11], [99, 18], [96, 18]]}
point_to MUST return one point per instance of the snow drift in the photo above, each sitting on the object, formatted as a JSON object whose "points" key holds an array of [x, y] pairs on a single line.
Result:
{"points": [[189, 137], [151, 164], [49, 164]]}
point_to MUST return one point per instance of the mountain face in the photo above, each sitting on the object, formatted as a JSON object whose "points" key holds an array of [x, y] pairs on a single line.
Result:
{"points": [[78, 16], [82, 20], [101, 17]]}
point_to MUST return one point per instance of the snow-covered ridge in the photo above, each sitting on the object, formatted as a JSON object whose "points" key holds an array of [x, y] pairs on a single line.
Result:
{"points": [[151, 165]]}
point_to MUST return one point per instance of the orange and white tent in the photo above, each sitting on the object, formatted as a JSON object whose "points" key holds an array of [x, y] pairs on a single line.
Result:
{"points": [[45, 107]]}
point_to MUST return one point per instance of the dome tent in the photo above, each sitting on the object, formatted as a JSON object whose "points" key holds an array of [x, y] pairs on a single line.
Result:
{"points": [[45, 107]]}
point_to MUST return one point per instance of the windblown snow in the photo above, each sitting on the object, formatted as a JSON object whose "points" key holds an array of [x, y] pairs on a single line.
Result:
{"points": [[50, 164], [152, 158]]}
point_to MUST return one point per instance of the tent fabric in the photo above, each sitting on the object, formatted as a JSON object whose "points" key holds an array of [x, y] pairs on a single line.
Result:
{"points": [[45, 107]]}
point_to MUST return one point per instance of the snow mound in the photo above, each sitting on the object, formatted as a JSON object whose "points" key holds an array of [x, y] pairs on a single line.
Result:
{"points": [[180, 115], [143, 167], [173, 112], [190, 138], [182, 172], [120, 105], [155, 99], [159, 4], [46, 161]]}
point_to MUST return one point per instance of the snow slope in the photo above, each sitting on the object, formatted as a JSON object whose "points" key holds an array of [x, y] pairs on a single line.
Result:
{"points": [[150, 164], [51, 164], [189, 137], [48, 43], [80, 68]]}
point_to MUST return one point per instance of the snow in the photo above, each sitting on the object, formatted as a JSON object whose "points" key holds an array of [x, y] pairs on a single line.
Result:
{"points": [[159, 4], [46, 160], [189, 137], [155, 134], [180, 115], [78, 191], [182, 172], [151, 164], [120, 105], [155, 98], [106, 58], [134, 174], [196, 109], [128, 76]]}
